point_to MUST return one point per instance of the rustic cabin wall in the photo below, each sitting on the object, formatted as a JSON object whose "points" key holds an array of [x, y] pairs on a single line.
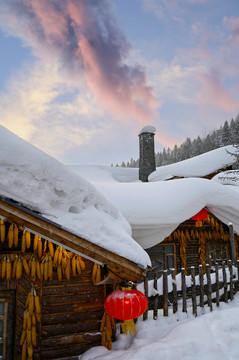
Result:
{"points": [[71, 308], [71, 315]]}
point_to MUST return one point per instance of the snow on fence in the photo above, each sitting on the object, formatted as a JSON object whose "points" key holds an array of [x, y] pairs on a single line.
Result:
{"points": [[169, 292]]}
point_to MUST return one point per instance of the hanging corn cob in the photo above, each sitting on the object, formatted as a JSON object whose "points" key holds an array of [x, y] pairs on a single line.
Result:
{"points": [[2, 230], [107, 328], [96, 273], [31, 315], [10, 236]]}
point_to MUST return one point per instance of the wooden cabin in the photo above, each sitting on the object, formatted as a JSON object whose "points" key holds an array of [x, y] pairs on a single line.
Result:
{"points": [[53, 286], [192, 245]]}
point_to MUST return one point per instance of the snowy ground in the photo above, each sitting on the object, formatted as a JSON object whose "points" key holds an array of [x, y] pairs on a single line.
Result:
{"points": [[212, 336]]}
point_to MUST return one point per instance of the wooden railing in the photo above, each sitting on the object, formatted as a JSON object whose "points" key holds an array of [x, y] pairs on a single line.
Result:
{"points": [[170, 292]]}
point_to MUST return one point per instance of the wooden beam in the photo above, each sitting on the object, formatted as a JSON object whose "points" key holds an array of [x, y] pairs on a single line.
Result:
{"points": [[124, 268]]}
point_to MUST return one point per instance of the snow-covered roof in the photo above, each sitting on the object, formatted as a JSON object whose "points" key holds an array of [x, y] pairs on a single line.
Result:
{"points": [[155, 209], [198, 166], [43, 184]]}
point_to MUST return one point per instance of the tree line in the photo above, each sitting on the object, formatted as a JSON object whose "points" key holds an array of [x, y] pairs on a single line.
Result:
{"points": [[228, 134]]}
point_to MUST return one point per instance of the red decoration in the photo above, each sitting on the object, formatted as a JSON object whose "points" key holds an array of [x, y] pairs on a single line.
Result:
{"points": [[202, 214], [126, 304]]}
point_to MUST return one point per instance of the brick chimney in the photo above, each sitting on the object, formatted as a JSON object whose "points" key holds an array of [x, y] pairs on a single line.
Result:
{"points": [[146, 152]]}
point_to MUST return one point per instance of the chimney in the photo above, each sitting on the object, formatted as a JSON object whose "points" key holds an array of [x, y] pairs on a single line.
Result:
{"points": [[146, 152]]}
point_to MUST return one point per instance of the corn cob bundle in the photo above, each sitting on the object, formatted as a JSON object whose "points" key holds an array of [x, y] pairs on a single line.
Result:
{"points": [[24, 241], [28, 239], [19, 268], [10, 236], [183, 244], [202, 251], [107, 327], [31, 315], [51, 249], [15, 235], [96, 273], [2, 230]]}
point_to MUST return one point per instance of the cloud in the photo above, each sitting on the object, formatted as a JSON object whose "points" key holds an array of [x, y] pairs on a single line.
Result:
{"points": [[85, 38], [231, 24]]}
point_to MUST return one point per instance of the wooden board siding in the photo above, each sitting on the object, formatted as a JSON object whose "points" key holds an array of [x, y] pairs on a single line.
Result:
{"points": [[71, 315]]}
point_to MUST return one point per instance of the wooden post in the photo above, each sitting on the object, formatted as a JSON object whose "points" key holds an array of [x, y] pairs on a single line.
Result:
{"points": [[193, 286], [224, 282], [232, 242], [217, 285], [231, 279], [237, 287], [184, 292], [175, 299], [201, 286], [209, 287], [146, 293], [155, 314], [165, 293]]}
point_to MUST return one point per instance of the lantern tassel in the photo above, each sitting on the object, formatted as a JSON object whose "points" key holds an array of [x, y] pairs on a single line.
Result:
{"points": [[128, 326]]}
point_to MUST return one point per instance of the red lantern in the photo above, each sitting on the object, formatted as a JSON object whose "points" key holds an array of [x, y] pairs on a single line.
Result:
{"points": [[126, 304], [201, 215]]}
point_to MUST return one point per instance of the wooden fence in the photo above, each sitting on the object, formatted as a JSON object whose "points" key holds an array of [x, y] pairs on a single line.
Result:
{"points": [[171, 292]]}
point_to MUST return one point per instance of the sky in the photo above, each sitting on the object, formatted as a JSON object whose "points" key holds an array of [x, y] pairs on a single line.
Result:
{"points": [[79, 79]]}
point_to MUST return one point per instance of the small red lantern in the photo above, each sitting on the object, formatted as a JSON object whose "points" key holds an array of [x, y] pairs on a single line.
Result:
{"points": [[126, 304], [201, 215]]}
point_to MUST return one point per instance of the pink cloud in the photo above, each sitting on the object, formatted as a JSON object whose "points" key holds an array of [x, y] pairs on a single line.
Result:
{"points": [[214, 94], [84, 36], [232, 26]]}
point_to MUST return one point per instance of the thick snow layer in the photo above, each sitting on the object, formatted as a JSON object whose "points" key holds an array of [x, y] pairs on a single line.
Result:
{"points": [[180, 336], [41, 183], [155, 209], [197, 166], [230, 177]]}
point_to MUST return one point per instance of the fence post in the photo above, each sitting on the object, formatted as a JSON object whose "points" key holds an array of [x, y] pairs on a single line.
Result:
{"points": [[146, 293], [231, 279], [184, 295], [201, 286], [209, 287], [232, 242], [155, 297], [217, 284], [194, 301], [175, 298], [224, 282], [165, 293]]}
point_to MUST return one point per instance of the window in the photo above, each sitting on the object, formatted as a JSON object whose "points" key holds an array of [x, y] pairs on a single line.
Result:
{"points": [[3, 327], [163, 257], [217, 253]]}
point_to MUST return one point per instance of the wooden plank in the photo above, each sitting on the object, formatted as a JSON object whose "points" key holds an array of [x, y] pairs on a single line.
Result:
{"points": [[68, 340], [165, 293], [193, 286], [175, 298], [224, 282], [231, 279], [69, 289], [155, 312], [209, 287], [65, 352], [217, 284], [72, 298], [73, 307], [201, 286], [51, 319], [184, 291], [118, 264], [146, 293], [64, 329]]}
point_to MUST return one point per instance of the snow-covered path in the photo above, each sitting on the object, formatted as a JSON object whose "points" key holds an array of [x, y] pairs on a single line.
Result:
{"points": [[212, 336]]}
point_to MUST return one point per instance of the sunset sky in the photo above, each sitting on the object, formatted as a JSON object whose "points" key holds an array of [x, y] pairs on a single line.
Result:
{"points": [[80, 78]]}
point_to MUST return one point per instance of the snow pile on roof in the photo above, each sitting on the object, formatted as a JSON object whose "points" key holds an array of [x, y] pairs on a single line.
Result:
{"points": [[43, 184], [155, 209], [148, 129], [230, 177], [197, 166]]}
